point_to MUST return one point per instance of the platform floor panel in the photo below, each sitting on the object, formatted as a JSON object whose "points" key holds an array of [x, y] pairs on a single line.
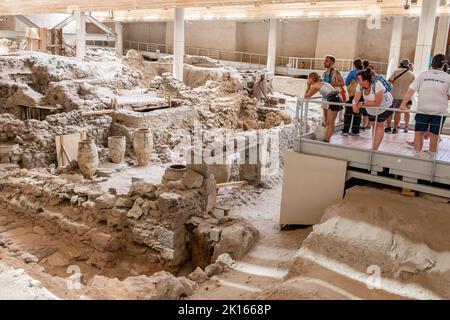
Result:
{"points": [[392, 143]]}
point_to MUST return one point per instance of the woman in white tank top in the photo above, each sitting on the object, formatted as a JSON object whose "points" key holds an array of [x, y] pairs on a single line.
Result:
{"points": [[328, 93]]}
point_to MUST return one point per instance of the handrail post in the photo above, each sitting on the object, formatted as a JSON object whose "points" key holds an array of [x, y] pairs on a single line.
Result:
{"points": [[306, 117], [296, 128], [437, 150], [373, 140], [301, 127]]}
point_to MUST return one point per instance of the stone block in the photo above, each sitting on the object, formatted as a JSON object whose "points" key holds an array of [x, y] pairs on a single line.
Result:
{"points": [[142, 188], [105, 201], [135, 212], [198, 275], [117, 218], [214, 234], [169, 202], [123, 202], [73, 227], [192, 179]]}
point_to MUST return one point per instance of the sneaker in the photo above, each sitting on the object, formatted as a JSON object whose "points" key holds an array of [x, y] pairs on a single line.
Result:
{"points": [[426, 155], [344, 134], [387, 130], [410, 144], [405, 130], [422, 155], [394, 131]]}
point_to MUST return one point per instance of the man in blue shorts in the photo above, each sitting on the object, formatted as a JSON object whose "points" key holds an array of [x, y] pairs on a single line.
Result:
{"points": [[433, 88]]}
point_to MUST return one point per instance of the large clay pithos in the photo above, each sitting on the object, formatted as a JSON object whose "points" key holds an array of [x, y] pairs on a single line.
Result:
{"points": [[221, 172], [87, 158], [143, 146], [117, 146], [174, 172]]}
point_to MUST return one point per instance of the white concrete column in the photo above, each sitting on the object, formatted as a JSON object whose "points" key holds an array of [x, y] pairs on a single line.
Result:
{"points": [[178, 44], [118, 29], [272, 48], [396, 44], [425, 36], [80, 22], [440, 43]]}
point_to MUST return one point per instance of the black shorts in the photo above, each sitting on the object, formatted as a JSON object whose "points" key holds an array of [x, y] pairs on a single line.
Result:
{"points": [[426, 122], [335, 107], [397, 102], [380, 118]]}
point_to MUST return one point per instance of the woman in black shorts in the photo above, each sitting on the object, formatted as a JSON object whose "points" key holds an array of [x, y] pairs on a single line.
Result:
{"points": [[375, 97], [328, 93]]}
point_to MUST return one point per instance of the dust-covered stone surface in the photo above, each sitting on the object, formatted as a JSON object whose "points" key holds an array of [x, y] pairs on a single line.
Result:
{"points": [[125, 242]]}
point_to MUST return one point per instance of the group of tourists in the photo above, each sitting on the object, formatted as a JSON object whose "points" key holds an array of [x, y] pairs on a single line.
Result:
{"points": [[372, 97]]}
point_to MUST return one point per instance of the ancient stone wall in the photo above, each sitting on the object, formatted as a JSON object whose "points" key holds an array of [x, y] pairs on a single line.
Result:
{"points": [[151, 225]]}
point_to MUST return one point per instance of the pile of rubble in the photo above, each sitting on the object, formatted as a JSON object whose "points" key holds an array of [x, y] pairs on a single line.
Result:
{"points": [[35, 140]]}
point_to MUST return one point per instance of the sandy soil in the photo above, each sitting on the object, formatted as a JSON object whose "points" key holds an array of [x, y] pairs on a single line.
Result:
{"points": [[376, 244], [17, 285], [268, 262]]}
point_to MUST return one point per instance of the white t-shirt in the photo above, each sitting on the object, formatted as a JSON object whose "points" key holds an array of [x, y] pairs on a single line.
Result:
{"points": [[433, 87], [385, 103]]}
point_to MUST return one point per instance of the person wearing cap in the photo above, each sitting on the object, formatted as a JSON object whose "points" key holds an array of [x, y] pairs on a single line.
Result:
{"points": [[401, 79], [433, 88]]}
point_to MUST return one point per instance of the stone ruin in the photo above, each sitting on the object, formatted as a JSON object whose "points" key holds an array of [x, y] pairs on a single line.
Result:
{"points": [[52, 95], [156, 226], [153, 227]]}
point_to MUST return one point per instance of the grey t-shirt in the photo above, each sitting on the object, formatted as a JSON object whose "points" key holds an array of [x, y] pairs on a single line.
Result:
{"points": [[433, 88]]}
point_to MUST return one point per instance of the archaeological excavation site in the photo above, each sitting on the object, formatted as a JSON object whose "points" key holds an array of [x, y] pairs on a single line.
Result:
{"points": [[191, 150]]}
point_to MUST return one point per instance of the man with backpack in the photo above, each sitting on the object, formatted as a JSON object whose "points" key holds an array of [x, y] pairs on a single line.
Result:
{"points": [[401, 79], [334, 77]]}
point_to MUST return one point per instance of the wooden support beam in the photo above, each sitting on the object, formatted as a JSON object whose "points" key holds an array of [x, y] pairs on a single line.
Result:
{"points": [[96, 113], [233, 184]]}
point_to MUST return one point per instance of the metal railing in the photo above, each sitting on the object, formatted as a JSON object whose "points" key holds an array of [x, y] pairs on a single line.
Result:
{"points": [[302, 128], [343, 65], [253, 60], [149, 47]]}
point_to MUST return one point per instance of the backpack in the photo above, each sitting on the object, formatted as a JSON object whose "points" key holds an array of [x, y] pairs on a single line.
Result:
{"points": [[386, 84], [342, 90]]}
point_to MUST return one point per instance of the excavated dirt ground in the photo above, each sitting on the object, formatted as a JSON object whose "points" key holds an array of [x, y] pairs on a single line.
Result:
{"points": [[336, 257], [264, 266], [280, 265]]}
